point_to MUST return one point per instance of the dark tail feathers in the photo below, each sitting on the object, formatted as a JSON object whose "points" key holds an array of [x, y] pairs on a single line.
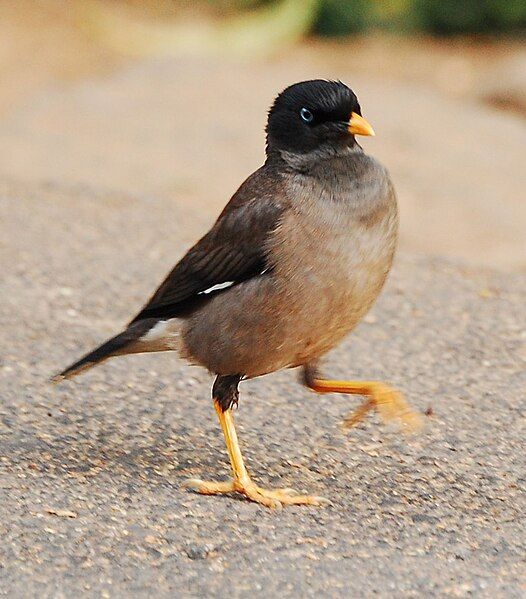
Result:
{"points": [[123, 343]]}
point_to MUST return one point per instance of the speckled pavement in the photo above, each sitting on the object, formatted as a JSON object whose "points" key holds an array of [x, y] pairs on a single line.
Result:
{"points": [[92, 471]]}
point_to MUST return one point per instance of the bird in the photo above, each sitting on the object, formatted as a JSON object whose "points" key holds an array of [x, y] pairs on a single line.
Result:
{"points": [[291, 265]]}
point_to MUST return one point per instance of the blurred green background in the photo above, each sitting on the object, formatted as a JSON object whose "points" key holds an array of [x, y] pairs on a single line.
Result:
{"points": [[434, 16], [443, 17]]}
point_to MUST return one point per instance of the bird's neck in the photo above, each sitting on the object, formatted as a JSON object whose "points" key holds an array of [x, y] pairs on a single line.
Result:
{"points": [[305, 161]]}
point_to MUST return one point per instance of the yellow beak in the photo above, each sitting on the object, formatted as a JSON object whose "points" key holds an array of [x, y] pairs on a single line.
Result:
{"points": [[359, 126]]}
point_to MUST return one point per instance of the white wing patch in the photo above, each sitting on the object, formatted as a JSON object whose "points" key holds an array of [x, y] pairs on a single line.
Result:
{"points": [[164, 330], [218, 287]]}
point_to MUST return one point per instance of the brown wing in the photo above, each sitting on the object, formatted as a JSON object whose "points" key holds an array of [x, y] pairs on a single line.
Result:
{"points": [[232, 251]]}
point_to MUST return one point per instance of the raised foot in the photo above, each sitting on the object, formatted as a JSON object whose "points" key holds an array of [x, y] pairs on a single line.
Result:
{"points": [[274, 498], [391, 405]]}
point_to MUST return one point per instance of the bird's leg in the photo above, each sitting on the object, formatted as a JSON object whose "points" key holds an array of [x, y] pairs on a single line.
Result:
{"points": [[242, 483], [389, 402]]}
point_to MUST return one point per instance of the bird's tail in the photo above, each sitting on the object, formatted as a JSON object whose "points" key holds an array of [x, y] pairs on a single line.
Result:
{"points": [[127, 342]]}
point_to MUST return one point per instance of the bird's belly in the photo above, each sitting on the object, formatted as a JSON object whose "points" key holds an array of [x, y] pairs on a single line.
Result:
{"points": [[332, 307], [256, 329], [294, 314]]}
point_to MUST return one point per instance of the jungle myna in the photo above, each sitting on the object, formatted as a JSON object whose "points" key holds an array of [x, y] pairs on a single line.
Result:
{"points": [[292, 264]]}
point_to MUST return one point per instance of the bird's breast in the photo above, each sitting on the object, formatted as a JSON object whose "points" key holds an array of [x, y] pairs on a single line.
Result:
{"points": [[331, 259]]}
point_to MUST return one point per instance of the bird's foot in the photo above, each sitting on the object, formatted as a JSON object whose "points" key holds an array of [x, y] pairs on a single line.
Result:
{"points": [[390, 404], [275, 498]]}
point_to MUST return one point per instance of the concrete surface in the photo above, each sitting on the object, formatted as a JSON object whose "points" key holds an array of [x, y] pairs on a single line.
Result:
{"points": [[91, 472]]}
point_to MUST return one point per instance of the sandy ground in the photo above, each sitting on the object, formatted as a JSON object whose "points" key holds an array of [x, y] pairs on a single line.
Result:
{"points": [[191, 130], [109, 170]]}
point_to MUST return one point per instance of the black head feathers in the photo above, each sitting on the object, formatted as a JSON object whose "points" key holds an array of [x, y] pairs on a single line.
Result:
{"points": [[309, 114]]}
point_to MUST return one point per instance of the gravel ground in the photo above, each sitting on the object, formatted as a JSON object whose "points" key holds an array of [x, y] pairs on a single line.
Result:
{"points": [[91, 471]]}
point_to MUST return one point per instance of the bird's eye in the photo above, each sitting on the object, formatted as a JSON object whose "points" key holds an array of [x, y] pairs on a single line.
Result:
{"points": [[306, 115]]}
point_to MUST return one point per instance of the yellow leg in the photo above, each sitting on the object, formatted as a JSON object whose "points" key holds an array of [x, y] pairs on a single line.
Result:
{"points": [[389, 402], [242, 483]]}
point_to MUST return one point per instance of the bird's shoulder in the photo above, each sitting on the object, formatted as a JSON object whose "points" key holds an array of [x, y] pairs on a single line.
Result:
{"points": [[232, 251], [261, 197]]}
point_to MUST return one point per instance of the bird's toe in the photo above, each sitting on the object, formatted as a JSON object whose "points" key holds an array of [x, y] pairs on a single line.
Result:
{"points": [[209, 487]]}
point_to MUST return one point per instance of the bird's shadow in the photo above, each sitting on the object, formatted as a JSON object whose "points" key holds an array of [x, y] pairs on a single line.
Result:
{"points": [[167, 453]]}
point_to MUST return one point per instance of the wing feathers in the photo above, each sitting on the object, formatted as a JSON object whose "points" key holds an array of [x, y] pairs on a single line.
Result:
{"points": [[232, 251]]}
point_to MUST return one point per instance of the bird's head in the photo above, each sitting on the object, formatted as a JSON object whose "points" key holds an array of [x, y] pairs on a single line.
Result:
{"points": [[313, 114]]}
